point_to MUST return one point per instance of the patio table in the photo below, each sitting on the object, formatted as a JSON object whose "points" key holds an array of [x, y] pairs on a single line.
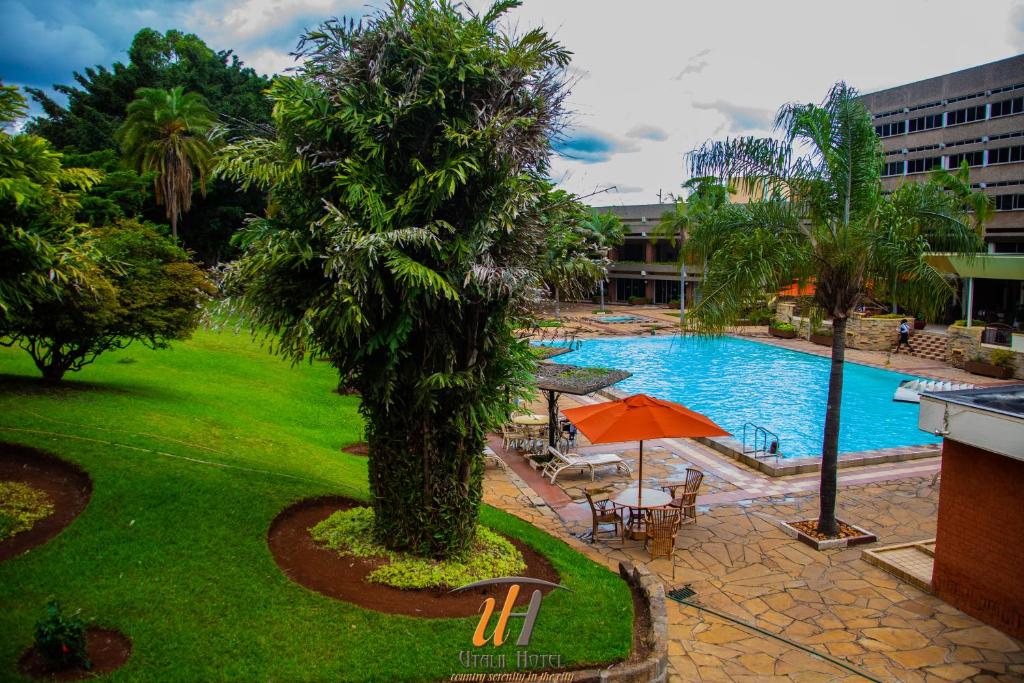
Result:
{"points": [[631, 499], [532, 420]]}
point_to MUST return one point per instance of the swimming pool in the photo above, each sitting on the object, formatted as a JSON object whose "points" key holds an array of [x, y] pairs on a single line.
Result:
{"points": [[734, 381], [620, 319]]}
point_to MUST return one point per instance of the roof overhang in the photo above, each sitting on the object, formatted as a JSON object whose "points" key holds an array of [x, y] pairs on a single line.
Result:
{"points": [[986, 266]]}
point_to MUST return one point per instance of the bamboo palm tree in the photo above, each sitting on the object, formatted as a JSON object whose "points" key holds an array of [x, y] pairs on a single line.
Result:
{"points": [[822, 219], [706, 196], [170, 132]]}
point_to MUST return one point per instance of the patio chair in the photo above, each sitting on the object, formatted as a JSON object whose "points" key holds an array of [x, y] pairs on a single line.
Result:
{"points": [[565, 461], [512, 436], [604, 512], [684, 495], [660, 540]]}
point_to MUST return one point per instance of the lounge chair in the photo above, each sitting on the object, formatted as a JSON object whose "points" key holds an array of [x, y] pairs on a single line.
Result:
{"points": [[491, 457], [565, 461], [684, 495], [604, 513], [513, 436]]}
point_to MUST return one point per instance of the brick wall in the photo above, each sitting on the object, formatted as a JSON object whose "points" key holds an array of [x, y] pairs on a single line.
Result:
{"points": [[979, 546]]}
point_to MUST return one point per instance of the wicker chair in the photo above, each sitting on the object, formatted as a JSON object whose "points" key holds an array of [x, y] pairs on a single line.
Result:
{"points": [[684, 495], [604, 512], [660, 541], [513, 436]]}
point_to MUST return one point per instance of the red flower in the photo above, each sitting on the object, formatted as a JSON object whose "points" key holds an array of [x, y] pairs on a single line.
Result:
{"points": [[64, 648]]}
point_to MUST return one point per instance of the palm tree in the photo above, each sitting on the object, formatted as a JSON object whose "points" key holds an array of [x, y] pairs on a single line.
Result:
{"points": [[822, 219], [607, 230], [706, 196], [170, 132]]}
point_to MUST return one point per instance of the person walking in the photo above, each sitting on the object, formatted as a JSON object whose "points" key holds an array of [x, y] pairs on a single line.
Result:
{"points": [[904, 337]]}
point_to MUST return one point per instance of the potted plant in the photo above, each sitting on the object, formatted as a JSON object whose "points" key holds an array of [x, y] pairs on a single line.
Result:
{"points": [[822, 336], [999, 364], [782, 330]]}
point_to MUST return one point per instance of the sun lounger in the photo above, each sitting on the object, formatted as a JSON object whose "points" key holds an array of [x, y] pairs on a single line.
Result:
{"points": [[565, 461]]}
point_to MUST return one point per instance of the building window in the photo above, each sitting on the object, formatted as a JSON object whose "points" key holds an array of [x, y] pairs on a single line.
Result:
{"points": [[665, 291], [889, 129], [633, 250], [972, 159], [1008, 107], [893, 168], [665, 252], [628, 287], [967, 115], [1009, 202], [1005, 155], [923, 165], [925, 122]]}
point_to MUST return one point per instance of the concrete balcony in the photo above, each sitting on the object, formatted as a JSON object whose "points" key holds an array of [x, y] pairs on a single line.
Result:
{"points": [[634, 268]]}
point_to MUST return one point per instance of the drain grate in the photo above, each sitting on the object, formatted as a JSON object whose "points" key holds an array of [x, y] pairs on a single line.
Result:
{"points": [[680, 594]]}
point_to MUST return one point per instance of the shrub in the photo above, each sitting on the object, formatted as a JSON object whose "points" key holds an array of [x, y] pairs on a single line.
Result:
{"points": [[1002, 358], [782, 327], [137, 286], [350, 532], [61, 639], [638, 300], [673, 303], [959, 323], [823, 331], [549, 323], [21, 506]]}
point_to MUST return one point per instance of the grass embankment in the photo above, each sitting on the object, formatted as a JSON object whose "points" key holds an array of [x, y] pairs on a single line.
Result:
{"points": [[193, 452]]}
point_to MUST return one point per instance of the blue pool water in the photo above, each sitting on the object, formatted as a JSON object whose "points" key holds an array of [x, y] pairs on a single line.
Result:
{"points": [[619, 319], [734, 381]]}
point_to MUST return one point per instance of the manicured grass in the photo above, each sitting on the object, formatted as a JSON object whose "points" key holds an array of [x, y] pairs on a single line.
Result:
{"points": [[192, 452]]}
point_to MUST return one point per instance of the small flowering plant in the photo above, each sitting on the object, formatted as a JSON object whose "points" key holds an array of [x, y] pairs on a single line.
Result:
{"points": [[61, 639]]}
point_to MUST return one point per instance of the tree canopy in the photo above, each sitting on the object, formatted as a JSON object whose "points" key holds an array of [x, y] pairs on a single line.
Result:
{"points": [[406, 216], [96, 107]]}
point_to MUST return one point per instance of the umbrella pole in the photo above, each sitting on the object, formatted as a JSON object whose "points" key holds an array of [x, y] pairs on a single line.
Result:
{"points": [[640, 482]]}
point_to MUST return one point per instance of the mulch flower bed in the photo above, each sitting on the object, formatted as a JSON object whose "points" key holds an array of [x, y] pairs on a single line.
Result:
{"points": [[67, 486], [806, 531], [106, 649], [358, 448], [326, 571]]}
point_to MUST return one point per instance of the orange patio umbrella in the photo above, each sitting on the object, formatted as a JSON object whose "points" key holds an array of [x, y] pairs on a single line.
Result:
{"points": [[638, 418]]}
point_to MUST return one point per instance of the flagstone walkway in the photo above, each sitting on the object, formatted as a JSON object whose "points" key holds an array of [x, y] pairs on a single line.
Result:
{"points": [[740, 563]]}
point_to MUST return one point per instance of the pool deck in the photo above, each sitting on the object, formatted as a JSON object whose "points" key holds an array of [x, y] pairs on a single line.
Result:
{"points": [[742, 564]]}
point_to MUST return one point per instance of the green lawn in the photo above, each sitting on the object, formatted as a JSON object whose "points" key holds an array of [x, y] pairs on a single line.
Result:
{"points": [[192, 452]]}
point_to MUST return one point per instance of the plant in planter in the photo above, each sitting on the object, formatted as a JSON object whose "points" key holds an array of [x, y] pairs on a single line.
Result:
{"points": [[61, 639], [637, 300], [782, 330], [822, 336], [999, 365]]}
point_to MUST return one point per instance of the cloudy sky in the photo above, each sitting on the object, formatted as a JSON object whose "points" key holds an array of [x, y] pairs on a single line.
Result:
{"points": [[653, 78]]}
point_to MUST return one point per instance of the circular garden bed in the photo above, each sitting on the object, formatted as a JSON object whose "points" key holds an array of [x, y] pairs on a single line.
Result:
{"points": [[42, 494], [345, 577], [106, 649]]}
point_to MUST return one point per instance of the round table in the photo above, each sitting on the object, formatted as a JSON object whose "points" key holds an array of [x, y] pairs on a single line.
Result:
{"points": [[534, 420], [652, 498], [630, 498]]}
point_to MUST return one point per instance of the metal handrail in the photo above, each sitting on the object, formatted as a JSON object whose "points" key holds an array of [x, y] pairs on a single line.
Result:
{"points": [[761, 437]]}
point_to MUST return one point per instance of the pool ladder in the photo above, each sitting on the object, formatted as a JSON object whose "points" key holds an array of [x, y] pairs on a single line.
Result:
{"points": [[765, 444]]}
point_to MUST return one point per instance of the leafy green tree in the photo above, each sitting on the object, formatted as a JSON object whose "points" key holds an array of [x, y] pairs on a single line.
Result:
{"points": [[139, 288], [406, 212], [38, 200], [823, 219], [706, 196], [574, 257], [95, 109], [170, 133], [606, 230]]}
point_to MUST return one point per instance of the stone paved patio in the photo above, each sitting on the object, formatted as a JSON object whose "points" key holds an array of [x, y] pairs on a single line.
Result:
{"points": [[740, 563]]}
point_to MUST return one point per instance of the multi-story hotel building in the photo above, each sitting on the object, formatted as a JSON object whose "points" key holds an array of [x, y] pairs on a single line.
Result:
{"points": [[975, 115]]}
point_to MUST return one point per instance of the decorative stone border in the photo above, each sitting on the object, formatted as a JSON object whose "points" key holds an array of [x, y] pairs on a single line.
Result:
{"points": [[782, 467], [865, 537], [654, 667]]}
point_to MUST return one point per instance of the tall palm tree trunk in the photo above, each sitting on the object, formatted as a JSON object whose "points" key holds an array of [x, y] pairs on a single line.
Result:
{"points": [[830, 442]]}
